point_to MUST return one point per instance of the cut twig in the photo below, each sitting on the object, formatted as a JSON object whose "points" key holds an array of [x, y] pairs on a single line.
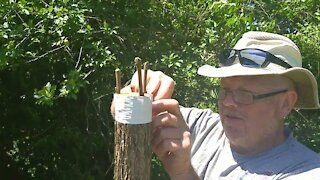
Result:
{"points": [[118, 80], [138, 63], [145, 68]]}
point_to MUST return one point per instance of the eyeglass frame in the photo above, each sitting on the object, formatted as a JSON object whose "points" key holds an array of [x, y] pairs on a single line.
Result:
{"points": [[270, 58], [254, 97]]}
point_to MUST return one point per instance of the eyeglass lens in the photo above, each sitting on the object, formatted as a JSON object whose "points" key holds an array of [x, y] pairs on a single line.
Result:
{"points": [[246, 97], [241, 97]]}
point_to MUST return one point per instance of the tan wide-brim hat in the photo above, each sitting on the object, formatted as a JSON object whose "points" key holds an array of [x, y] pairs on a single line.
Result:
{"points": [[283, 48]]}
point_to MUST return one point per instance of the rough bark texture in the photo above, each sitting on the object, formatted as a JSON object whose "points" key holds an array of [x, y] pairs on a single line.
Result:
{"points": [[132, 151]]}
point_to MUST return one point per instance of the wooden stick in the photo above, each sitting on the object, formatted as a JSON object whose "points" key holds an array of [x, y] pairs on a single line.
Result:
{"points": [[145, 68], [118, 80], [138, 63]]}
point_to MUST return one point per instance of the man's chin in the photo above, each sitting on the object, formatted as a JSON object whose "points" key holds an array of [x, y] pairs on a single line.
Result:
{"points": [[233, 134]]}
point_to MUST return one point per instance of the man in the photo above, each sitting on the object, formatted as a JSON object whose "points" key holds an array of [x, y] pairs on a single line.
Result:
{"points": [[261, 82]]}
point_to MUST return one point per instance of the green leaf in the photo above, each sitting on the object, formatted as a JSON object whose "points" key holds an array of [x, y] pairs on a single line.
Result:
{"points": [[45, 96], [50, 9]]}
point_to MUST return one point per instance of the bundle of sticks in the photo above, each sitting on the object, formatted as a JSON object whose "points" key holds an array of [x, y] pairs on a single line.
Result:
{"points": [[142, 85]]}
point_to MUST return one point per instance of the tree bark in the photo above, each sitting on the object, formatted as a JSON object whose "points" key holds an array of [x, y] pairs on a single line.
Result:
{"points": [[132, 151]]}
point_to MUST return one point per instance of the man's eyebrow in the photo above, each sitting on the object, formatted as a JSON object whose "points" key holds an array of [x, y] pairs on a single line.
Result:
{"points": [[238, 89]]}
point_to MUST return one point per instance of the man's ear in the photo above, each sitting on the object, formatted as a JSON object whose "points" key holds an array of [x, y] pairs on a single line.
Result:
{"points": [[289, 100]]}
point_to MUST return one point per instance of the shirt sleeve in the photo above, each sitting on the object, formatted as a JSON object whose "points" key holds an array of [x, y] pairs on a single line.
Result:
{"points": [[204, 126], [199, 119], [206, 133]]}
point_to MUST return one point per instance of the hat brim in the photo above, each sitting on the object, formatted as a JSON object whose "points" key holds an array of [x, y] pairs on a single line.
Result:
{"points": [[304, 80]]}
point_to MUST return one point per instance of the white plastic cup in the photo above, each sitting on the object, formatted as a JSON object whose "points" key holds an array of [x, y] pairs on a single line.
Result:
{"points": [[132, 108]]}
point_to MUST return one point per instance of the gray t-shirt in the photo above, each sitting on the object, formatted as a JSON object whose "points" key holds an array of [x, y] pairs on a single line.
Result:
{"points": [[212, 157]]}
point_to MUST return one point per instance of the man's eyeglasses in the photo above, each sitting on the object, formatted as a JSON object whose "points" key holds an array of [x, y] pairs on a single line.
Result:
{"points": [[250, 57], [245, 97]]}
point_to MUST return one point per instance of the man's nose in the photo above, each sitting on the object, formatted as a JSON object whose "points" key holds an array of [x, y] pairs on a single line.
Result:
{"points": [[229, 100]]}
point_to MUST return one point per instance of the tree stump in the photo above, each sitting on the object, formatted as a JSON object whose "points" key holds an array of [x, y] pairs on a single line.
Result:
{"points": [[132, 151], [132, 137]]}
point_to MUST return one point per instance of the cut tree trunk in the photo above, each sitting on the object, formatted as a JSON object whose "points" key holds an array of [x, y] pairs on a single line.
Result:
{"points": [[132, 151]]}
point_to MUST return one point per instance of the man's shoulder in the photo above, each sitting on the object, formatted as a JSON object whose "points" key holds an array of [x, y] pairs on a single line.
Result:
{"points": [[306, 158], [196, 113], [298, 160], [297, 149], [200, 119], [291, 158]]}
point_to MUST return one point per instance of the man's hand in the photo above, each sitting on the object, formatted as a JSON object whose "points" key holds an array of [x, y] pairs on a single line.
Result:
{"points": [[171, 139], [159, 85]]}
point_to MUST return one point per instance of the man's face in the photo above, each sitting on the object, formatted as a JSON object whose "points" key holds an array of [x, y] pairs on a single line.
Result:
{"points": [[255, 127]]}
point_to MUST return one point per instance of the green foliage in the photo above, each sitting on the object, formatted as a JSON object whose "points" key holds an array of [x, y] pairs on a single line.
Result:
{"points": [[46, 94], [53, 60], [57, 63]]}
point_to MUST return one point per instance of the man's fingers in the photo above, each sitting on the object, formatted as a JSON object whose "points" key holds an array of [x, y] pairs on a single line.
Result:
{"points": [[162, 133], [164, 88], [167, 146], [164, 120], [166, 105], [135, 81], [159, 85], [172, 107], [172, 145], [154, 82]]}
